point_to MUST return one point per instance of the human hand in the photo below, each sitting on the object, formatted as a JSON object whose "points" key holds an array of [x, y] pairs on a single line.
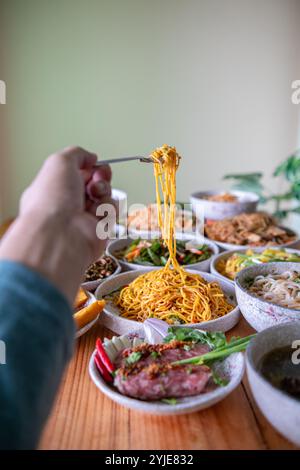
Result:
{"points": [[70, 188], [57, 215]]}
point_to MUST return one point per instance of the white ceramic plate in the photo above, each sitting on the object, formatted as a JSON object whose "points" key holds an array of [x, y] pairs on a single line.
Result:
{"points": [[118, 245], [232, 368], [88, 326], [111, 318]]}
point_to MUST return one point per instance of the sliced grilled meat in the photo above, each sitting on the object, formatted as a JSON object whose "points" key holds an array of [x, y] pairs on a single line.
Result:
{"points": [[147, 372]]}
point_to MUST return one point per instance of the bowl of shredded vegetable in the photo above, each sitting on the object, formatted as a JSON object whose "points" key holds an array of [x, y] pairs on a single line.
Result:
{"points": [[203, 301], [228, 264], [147, 254]]}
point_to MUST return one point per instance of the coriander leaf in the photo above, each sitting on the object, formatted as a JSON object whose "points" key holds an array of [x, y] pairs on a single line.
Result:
{"points": [[219, 380], [169, 401], [133, 358], [212, 339], [154, 354]]}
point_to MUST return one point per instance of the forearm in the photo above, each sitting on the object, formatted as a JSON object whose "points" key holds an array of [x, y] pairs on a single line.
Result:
{"points": [[50, 246], [42, 260], [37, 328]]}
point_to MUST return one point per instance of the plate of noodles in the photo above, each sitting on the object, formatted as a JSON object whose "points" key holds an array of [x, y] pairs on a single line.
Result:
{"points": [[147, 254], [247, 230], [200, 300], [269, 294], [229, 263]]}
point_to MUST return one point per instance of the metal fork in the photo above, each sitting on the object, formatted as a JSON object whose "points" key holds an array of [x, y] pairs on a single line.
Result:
{"points": [[124, 159]]}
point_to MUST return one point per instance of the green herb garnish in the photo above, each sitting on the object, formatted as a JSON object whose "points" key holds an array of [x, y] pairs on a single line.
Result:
{"points": [[133, 358], [219, 380], [212, 339], [169, 401], [237, 345], [155, 354]]}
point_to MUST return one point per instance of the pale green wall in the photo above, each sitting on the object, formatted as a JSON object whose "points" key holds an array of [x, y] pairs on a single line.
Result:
{"points": [[123, 76]]}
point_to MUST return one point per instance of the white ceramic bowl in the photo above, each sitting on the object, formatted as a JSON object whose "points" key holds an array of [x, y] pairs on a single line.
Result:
{"points": [[118, 245], [247, 202], [260, 313], [92, 285], [111, 318], [226, 254], [232, 368], [232, 246], [280, 409]]}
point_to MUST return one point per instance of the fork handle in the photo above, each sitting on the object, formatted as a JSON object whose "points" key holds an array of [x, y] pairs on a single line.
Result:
{"points": [[123, 159]]}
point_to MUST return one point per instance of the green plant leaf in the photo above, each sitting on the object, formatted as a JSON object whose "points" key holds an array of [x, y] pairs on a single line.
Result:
{"points": [[238, 176]]}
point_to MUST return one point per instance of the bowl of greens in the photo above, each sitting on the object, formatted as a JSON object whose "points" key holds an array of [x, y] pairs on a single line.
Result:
{"points": [[139, 253]]}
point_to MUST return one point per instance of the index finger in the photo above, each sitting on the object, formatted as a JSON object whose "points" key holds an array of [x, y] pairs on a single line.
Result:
{"points": [[79, 157]]}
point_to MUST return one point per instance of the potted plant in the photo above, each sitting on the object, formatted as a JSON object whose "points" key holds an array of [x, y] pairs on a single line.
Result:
{"points": [[286, 205]]}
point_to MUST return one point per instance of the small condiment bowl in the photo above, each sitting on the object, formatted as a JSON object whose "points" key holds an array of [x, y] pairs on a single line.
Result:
{"points": [[215, 260], [217, 210], [91, 286], [260, 313], [117, 245], [112, 319], [280, 409]]}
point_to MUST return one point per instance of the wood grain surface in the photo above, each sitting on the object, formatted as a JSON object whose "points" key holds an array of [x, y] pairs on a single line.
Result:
{"points": [[84, 418]]}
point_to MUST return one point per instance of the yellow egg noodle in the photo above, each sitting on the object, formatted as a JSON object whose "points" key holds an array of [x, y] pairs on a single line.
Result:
{"points": [[171, 293]]}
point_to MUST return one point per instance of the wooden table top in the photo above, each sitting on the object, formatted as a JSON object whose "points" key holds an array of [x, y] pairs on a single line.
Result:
{"points": [[84, 418]]}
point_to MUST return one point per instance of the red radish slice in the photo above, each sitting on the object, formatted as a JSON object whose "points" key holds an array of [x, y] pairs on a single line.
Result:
{"points": [[104, 357], [102, 369]]}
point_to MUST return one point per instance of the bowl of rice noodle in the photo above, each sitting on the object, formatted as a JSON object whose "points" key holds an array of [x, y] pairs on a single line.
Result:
{"points": [[269, 294]]}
